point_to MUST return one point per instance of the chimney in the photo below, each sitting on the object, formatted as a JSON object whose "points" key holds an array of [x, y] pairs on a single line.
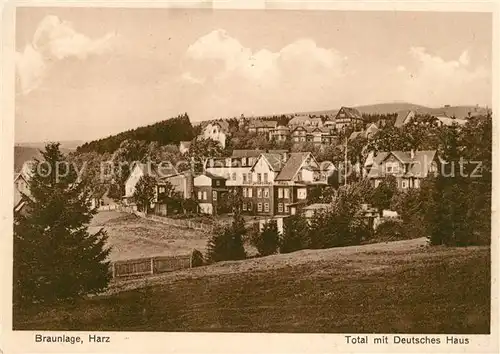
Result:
{"points": [[285, 156], [412, 154]]}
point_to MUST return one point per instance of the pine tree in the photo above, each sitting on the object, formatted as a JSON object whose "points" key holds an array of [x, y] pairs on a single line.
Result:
{"points": [[267, 240], [55, 256], [226, 241], [295, 234], [144, 192]]}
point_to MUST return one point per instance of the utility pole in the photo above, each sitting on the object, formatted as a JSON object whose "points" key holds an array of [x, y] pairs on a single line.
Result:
{"points": [[345, 162]]}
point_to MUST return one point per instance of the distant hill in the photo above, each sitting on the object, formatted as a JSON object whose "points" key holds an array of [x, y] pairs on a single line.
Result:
{"points": [[387, 108], [26, 153], [67, 145]]}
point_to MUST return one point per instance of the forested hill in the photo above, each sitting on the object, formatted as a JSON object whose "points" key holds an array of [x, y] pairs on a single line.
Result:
{"points": [[170, 131]]}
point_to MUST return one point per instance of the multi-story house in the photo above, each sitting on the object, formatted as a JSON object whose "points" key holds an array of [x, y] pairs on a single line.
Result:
{"points": [[146, 169], [278, 180], [209, 190], [324, 135], [181, 184], [216, 131], [235, 168], [262, 126], [280, 133], [408, 167], [349, 117]]}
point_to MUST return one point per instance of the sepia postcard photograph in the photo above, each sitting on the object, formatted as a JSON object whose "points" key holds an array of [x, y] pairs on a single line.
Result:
{"points": [[273, 170]]}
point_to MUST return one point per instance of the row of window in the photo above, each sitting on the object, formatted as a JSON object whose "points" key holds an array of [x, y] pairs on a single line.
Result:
{"points": [[261, 192], [203, 195], [260, 207], [404, 184]]}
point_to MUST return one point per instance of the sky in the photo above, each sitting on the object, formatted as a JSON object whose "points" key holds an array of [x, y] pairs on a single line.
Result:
{"points": [[86, 73]]}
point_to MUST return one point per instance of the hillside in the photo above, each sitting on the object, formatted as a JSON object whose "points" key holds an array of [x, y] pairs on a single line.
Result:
{"points": [[397, 287], [170, 131], [64, 144]]}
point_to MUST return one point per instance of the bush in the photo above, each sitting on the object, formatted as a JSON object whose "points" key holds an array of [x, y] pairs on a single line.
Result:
{"points": [[390, 230], [267, 240], [226, 242], [196, 258], [295, 234]]}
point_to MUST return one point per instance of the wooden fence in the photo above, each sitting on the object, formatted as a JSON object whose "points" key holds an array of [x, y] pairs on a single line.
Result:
{"points": [[151, 265]]}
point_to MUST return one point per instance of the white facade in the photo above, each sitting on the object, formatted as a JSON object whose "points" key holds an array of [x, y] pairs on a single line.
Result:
{"points": [[215, 132], [262, 172], [132, 180]]}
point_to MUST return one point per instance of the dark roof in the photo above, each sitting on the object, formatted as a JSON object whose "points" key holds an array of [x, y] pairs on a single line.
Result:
{"points": [[400, 120], [282, 151], [246, 153], [350, 112], [292, 166], [212, 176]]}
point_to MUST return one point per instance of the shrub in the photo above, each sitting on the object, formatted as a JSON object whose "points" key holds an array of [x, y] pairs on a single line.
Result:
{"points": [[295, 234], [390, 230], [196, 258], [267, 240]]}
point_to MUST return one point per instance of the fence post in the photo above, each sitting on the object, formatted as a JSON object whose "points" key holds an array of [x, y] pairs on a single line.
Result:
{"points": [[152, 265]]}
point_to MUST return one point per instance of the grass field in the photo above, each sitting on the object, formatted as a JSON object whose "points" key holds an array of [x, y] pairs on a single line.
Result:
{"points": [[133, 237], [398, 287]]}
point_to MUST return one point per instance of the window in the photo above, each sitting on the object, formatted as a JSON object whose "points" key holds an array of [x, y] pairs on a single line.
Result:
{"points": [[234, 176], [416, 183], [244, 178], [301, 193], [259, 207], [214, 195], [243, 161], [286, 193], [265, 177], [199, 195], [205, 196], [280, 192], [266, 207], [259, 177], [161, 189], [250, 206], [217, 182], [266, 192], [404, 184], [244, 206], [259, 192], [287, 208], [244, 192], [280, 207], [250, 190]]}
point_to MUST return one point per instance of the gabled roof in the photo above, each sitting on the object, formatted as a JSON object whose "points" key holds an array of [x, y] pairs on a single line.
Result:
{"points": [[292, 166], [419, 165], [450, 121], [275, 161], [401, 118], [318, 206], [350, 113], [246, 153]]}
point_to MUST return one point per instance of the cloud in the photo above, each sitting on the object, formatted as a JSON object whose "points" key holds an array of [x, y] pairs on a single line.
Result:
{"points": [[54, 40], [259, 78], [436, 81], [187, 76], [263, 65]]}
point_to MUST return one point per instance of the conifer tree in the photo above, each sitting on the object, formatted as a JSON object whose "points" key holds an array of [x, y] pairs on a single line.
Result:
{"points": [[55, 256]]}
